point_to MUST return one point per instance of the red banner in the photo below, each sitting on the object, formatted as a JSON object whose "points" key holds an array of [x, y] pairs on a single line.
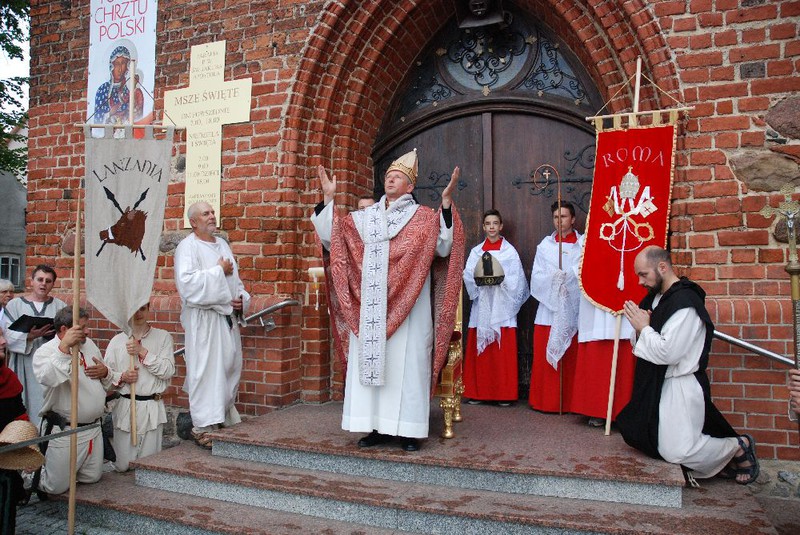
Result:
{"points": [[629, 210]]}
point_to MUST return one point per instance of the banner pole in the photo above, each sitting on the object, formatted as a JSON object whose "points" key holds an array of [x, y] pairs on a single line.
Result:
{"points": [[560, 247], [75, 350], [134, 431], [638, 85], [132, 89], [613, 380], [131, 104]]}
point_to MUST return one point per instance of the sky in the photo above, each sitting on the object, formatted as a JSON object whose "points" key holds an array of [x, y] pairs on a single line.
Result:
{"points": [[10, 68]]}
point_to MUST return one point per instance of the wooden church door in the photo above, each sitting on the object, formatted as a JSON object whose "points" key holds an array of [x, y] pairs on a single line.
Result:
{"points": [[498, 132]]}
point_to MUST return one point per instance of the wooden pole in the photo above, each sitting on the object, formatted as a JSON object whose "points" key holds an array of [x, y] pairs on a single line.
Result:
{"points": [[132, 90], [638, 85], [618, 328], [560, 246], [134, 435], [75, 350], [131, 104], [613, 380]]}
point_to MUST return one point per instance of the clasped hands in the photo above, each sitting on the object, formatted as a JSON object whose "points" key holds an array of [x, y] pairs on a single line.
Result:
{"points": [[638, 318]]}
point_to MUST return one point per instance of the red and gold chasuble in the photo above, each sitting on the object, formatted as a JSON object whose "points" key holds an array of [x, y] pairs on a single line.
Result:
{"points": [[411, 259]]}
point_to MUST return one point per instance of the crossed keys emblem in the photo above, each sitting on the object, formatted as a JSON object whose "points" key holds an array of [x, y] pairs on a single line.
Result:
{"points": [[628, 232], [129, 229]]}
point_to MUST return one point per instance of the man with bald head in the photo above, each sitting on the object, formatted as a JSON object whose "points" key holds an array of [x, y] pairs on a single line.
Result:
{"points": [[670, 414], [214, 302]]}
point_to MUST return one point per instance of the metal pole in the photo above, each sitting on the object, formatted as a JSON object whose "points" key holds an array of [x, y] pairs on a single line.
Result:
{"points": [[793, 269], [790, 210]]}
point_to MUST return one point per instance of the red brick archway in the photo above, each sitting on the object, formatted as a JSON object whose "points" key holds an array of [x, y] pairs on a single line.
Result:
{"points": [[349, 73]]}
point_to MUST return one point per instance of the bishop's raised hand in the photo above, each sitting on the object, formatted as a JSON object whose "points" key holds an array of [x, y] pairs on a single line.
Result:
{"points": [[447, 194], [328, 185]]}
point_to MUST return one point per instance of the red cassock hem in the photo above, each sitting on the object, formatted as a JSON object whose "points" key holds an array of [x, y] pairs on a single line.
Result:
{"points": [[492, 375], [545, 390], [593, 374]]}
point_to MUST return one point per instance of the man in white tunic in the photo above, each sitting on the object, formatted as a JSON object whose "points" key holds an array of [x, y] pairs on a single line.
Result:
{"points": [[52, 365], [392, 329], [152, 350], [22, 345], [214, 302], [671, 414]]}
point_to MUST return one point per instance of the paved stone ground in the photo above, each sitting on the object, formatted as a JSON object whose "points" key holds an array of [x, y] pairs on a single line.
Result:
{"points": [[50, 518], [778, 492]]}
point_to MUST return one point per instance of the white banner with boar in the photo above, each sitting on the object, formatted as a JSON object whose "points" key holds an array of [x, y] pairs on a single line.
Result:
{"points": [[126, 190]]}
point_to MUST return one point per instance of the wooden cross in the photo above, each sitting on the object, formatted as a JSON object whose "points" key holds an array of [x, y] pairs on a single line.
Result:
{"points": [[202, 108]]}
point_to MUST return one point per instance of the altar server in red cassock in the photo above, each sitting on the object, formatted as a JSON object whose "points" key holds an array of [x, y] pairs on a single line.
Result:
{"points": [[490, 366], [556, 289], [593, 364]]}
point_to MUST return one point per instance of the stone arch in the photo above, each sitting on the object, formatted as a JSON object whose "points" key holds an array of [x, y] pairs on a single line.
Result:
{"points": [[343, 81]]}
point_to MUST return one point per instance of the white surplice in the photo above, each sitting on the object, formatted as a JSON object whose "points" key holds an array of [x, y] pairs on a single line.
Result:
{"points": [[594, 323], [155, 372], [21, 349], [556, 288], [401, 406], [497, 306], [545, 267], [213, 348], [682, 408]]}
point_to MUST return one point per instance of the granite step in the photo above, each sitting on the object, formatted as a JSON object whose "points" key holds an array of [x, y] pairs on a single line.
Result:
{"points": [[117, 503], [720, 507], [506, 449]]}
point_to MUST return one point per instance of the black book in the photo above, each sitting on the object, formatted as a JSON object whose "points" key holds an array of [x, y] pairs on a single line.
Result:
{"points": [[25, 323]]}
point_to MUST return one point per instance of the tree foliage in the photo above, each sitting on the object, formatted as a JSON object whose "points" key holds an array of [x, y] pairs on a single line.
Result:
{"points": [[14, 24]]}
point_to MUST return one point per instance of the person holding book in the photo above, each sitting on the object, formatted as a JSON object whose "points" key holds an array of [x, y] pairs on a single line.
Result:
{"points": [[29, 327]]}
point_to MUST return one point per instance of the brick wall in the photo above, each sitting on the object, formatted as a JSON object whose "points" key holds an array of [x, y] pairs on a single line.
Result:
{"points": [[323, 75]]}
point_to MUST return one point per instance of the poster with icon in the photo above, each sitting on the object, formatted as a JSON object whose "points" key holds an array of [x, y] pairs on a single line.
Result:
{"points": [[122, 45]]}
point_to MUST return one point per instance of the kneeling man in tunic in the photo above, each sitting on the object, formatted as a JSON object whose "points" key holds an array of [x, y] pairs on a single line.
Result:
{"points": [[52, 366], [670, 414], [394, 281], [152, 351]]}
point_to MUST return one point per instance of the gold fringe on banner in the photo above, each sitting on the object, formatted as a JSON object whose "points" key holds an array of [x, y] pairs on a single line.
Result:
{"points": [[633, 120]]}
